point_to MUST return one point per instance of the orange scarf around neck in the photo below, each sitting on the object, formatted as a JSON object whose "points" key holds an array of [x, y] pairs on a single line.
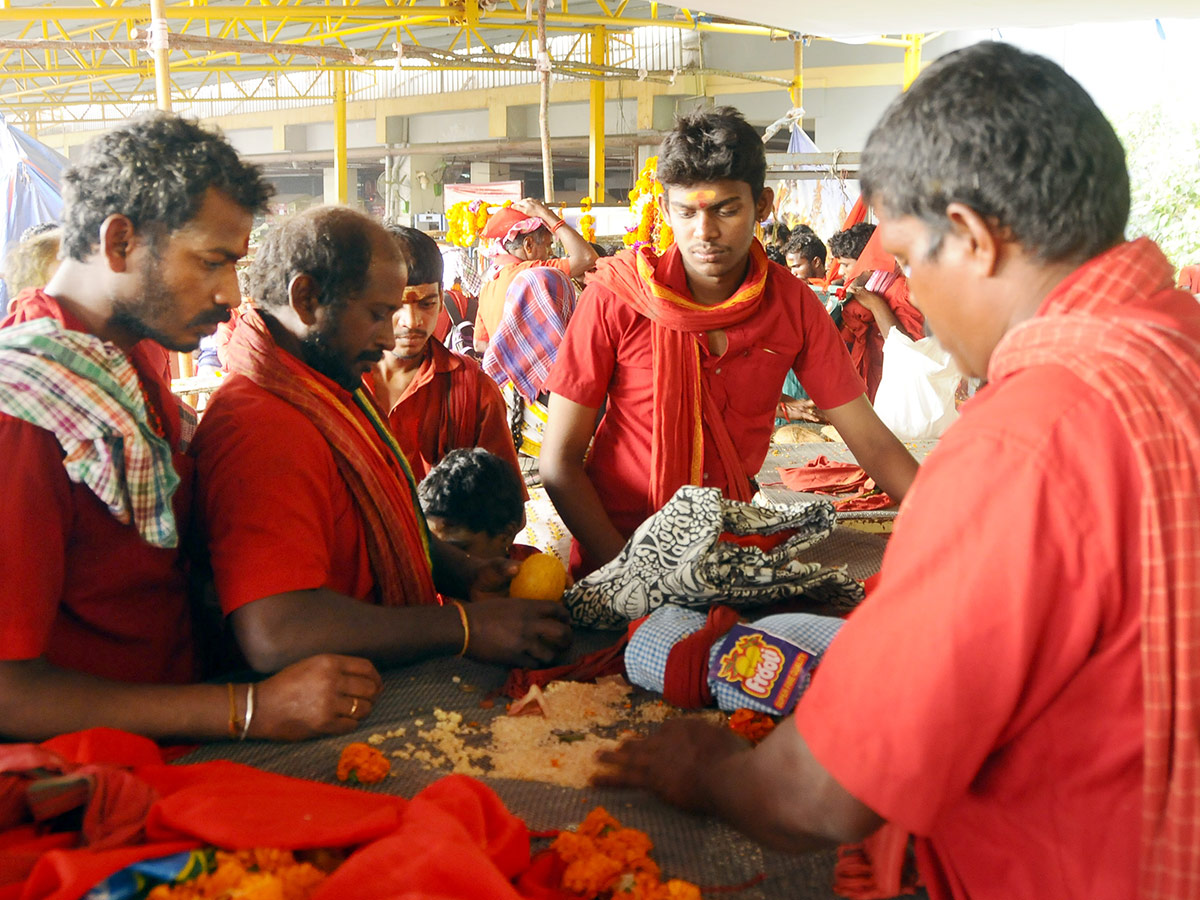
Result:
{"points": [[366, 454], [681, 405], [1150, 372]]}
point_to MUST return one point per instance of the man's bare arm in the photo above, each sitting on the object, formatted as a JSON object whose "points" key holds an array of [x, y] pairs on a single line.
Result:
{"points": [[877, 450], [569, 429], [777, 793], [277, 630], [322, 695]]}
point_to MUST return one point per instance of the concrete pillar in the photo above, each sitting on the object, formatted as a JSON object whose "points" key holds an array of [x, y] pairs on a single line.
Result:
{"points": [[334, 186], [487, 172]]}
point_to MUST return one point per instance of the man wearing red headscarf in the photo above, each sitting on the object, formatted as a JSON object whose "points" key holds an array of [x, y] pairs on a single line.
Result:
{"points": [[688, 353], [525, 233]]}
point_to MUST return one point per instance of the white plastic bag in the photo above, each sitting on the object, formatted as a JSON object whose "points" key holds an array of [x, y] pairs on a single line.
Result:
{"points": [[916, 391]]}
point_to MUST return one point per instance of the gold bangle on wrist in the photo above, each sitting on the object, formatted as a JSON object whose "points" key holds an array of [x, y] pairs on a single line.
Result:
{"points": [[233, 722], [466, 627]]}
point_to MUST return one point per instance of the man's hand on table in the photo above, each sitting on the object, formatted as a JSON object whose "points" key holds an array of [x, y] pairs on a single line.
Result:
{"points": [[673, 762], [515, 631], [324, 694]]}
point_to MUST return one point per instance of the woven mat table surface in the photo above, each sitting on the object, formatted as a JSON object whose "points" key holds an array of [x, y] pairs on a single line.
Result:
{"points": [[698, 849], [783, 456]]}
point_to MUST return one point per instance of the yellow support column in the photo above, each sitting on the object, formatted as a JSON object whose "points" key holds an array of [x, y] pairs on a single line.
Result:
{"points": [[596, 123], [912, 58], [796, 91], [162, 53], [340, 157]]}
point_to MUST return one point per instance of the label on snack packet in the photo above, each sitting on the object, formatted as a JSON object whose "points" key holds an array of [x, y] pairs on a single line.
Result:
{"points": [[763, 666]]}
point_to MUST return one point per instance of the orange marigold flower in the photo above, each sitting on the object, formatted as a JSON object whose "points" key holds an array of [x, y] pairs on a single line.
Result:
{"points": [[363, 763], [753, 726]]}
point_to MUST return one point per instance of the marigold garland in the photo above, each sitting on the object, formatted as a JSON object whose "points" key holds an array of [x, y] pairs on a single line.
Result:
{"points": [[363, 764], [262, 874], [753, 726], [651, 226], [605, 860]]}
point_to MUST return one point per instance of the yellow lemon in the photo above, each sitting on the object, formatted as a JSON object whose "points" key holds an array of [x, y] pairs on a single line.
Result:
{"points": [[541, 577]]}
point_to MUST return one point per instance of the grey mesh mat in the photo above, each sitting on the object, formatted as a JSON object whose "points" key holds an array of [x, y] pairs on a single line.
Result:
{"points": [[697, 849]]}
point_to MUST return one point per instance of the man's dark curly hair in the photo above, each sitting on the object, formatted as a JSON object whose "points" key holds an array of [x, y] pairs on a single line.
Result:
{"points": [[806, 245], [155, 170], [1011, 136], [331, 244], [473, 488], [713, 145], [425, 263], [849, 244]]}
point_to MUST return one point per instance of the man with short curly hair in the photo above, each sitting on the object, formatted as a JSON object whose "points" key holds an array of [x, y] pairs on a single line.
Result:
{"points": [[1020, 689], [688, 352], [94, 620]]}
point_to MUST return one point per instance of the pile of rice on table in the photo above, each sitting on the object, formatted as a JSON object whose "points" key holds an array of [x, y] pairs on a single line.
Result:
{"points": [[552, 738]]}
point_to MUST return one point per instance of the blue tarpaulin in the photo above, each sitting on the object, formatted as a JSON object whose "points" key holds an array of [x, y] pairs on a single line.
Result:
{"points": [[31, 183]]}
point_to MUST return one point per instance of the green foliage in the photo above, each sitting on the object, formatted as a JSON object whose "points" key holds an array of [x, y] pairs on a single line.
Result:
{"points": [[1163, 150]]}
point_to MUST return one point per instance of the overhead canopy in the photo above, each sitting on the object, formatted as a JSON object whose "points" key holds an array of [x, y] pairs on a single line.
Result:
{"points": [[874, 17]]}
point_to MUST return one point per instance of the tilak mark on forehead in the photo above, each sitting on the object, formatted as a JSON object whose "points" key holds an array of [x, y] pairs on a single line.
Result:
{"points": [[701, 198]]}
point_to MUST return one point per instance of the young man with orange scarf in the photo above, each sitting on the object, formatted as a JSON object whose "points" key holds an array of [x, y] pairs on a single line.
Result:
{"points": [[1020, 689], [307, 503], [688, 352]]}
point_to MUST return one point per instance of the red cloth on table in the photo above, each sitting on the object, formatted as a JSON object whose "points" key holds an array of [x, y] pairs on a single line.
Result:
{"points": [[1189, 279], [76, 586], [454, 839], [824, 476], [988, 695], [606, 354], [450, 403], [306, 518], [495, 287]]}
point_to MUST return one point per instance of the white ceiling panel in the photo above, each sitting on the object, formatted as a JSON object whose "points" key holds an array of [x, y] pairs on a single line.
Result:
{"points": [[850, 18]]}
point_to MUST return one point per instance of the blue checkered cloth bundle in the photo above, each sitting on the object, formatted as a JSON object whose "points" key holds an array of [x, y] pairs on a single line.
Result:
{"points": [[646, 654]]}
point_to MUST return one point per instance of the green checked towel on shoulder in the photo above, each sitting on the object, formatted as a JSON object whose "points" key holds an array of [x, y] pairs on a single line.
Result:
{"points": [[86, 393]]}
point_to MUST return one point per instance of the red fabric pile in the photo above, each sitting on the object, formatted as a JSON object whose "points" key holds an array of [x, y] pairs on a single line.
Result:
{"points": [[453, 840], [825, 476]]}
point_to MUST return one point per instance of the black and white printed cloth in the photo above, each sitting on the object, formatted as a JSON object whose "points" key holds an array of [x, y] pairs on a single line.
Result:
{"points": [[684, 555]]}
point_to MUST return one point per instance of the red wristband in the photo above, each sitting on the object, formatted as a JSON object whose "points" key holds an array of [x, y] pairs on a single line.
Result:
{"points": [[557, 225]]}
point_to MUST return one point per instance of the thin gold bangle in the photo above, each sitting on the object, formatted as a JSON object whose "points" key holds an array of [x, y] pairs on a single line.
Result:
{"points": [[233, 722], [462, 615]]}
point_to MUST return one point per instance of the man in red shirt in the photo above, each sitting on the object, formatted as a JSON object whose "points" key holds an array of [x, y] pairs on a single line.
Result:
{"points": [[688, 353], [526, 232], [94, 622], [436, 400], [306, 501], [1020, 689]]}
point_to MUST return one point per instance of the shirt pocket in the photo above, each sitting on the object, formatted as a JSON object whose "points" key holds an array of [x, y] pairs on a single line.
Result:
{"points": [[752, 378]]}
